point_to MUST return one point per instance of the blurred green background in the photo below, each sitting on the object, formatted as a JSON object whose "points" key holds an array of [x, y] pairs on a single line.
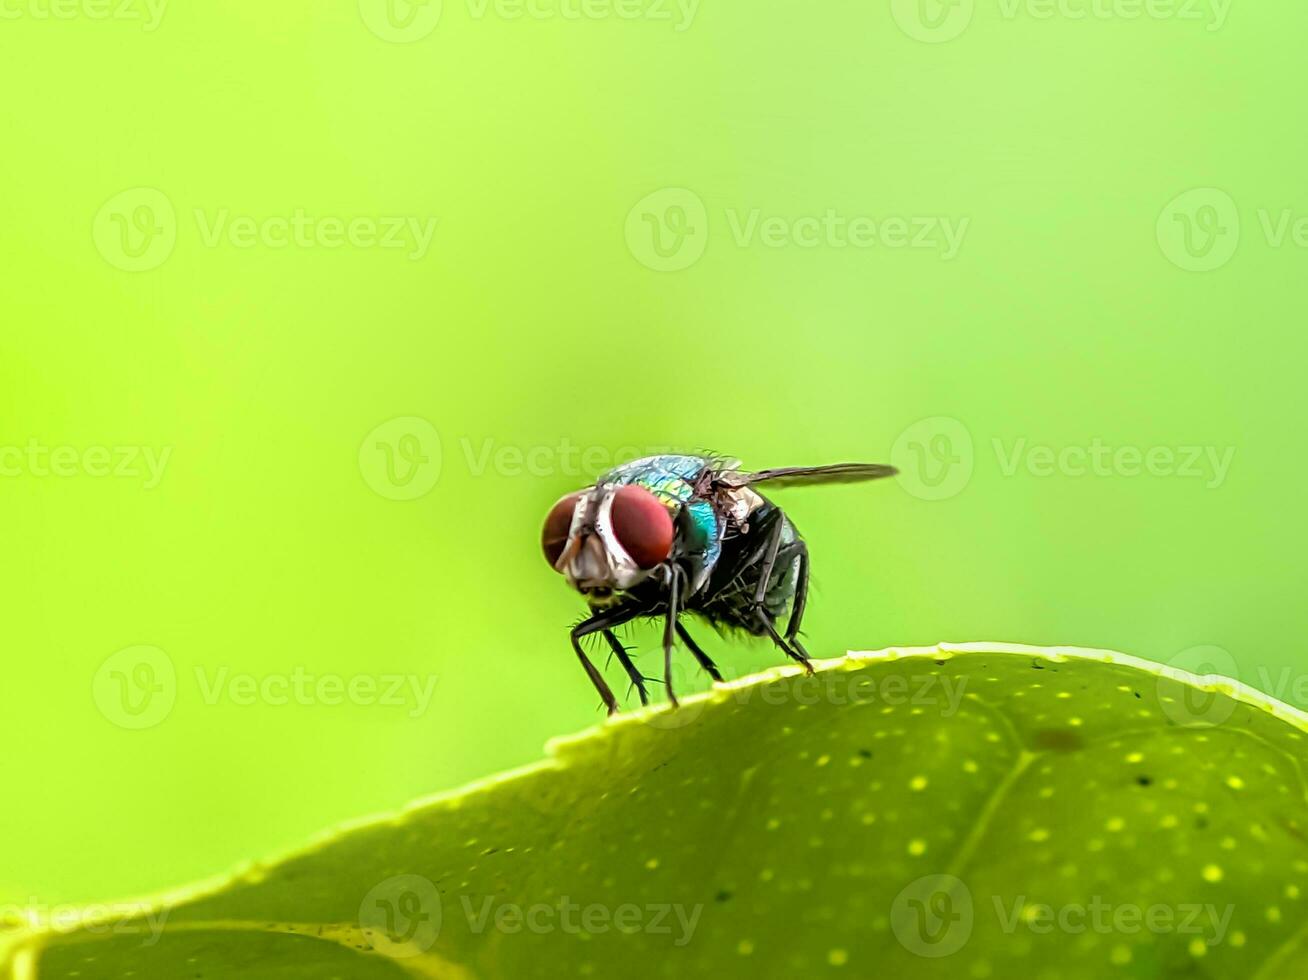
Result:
{"points": [[790, 232]]}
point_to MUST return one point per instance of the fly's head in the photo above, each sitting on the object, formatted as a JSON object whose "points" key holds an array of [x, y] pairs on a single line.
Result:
{"points": [[607, 539]]}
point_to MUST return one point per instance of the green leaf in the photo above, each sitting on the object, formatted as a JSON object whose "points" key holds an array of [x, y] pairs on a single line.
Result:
{"points": [[978, 811]]}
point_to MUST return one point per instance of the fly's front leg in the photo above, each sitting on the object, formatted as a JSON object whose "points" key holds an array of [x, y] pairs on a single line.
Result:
{"points": [[596, 678], [669, 629], [600, 621], [637, 678]]}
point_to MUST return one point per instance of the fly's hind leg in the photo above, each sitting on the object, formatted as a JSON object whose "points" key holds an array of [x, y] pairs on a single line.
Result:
{"points": [[791, 648], [772, 550], [801, 597]]}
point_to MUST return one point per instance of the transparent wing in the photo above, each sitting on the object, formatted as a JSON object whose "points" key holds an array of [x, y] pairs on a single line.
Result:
{"points": [[798, 475]]}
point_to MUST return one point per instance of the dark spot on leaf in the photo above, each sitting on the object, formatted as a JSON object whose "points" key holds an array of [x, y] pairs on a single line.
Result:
{"points": [[1137, 695], [1058, 740], [1201, 823], [1037, 665], [723, 896], [865, 753], [1144, 780]]}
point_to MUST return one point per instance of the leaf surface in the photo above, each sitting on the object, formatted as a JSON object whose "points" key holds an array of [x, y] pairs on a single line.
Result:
{"points": [[970, 811]]}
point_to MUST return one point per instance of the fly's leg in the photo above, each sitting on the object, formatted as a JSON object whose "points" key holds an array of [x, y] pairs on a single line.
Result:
{"points": [[637, 678], [801, 598], [596, 678], [700, 655], [669, 630], [791, 648], [596, 623], [770, 549]]}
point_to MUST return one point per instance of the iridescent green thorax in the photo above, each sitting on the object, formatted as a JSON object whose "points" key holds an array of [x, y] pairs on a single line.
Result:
{"points": [[670, 478]]}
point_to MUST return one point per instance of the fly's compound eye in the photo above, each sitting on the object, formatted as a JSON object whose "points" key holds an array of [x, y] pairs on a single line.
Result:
{"points": [[642, 526], [554, 536]]}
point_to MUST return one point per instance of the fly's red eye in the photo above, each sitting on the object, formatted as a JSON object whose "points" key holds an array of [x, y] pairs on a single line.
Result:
{"points": [[642, 526], [554, 536]]}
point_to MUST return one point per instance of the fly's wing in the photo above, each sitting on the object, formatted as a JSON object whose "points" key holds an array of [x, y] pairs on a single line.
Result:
{"points": [[800, 475]]}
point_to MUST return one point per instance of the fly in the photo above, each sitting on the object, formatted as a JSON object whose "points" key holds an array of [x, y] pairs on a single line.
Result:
{"points": [[667, 535]]}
